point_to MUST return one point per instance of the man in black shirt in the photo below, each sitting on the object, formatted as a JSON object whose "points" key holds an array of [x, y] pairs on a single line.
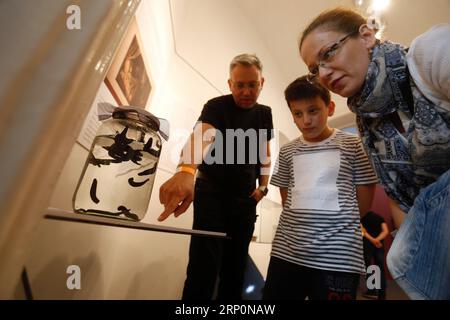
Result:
{"points": [[227, 152], [375, 230]]}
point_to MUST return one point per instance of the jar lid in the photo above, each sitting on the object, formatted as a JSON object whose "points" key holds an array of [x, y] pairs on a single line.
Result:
{"points": [[143, 116]]}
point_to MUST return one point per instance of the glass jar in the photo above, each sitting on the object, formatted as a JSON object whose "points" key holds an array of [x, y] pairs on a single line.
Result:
{"points": [[117, 178]]}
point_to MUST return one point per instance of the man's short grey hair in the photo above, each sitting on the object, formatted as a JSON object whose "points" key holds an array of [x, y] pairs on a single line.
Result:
{"points": [[246, 59]]}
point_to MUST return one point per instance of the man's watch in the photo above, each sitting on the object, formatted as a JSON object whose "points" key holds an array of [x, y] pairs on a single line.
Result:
{"points": [[263, 189]]}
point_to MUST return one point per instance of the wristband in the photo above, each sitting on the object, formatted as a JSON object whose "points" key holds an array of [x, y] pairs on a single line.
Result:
{"points": [[186, 169]]}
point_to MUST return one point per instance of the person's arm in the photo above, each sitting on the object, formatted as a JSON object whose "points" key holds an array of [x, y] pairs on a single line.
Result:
{"points": [[364, 195], [284, 194], [364, 178], [177, 193], [264, 175], [281, 175], [396, 212], [384, 232], [365, 233], [377, 243]]}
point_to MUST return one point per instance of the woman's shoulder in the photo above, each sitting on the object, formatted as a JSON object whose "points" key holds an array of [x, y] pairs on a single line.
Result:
{"points": [[429, 62], [429, 41], [436, 32]]}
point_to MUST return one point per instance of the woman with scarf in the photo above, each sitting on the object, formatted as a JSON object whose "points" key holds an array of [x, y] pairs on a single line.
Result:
{"points": [[401, 98]]}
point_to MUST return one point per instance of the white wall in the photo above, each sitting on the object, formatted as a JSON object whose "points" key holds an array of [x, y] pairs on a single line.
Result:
{"points": [[49, 74]]}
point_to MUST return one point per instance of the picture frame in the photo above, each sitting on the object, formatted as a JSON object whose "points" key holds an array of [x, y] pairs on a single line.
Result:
{"points": [[128, 77]]}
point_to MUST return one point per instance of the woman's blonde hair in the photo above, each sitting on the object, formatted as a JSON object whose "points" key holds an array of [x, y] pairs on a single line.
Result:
{"points": [[339, 19]]}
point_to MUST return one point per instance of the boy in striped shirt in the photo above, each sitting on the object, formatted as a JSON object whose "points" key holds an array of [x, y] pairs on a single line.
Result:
{"points": [[325, 181]]}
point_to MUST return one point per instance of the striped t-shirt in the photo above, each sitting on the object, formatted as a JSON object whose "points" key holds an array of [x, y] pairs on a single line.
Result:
{"points": [[320, 223]]}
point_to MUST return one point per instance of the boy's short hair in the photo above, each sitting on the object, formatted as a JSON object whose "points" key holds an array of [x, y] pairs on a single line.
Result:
{"points": [[302, 88]]}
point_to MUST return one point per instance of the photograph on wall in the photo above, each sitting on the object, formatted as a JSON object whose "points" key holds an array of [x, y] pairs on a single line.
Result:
{"points": [[128, 78]]}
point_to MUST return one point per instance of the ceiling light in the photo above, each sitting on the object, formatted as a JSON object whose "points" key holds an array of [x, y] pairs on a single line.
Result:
{"points": [[380, 5]]}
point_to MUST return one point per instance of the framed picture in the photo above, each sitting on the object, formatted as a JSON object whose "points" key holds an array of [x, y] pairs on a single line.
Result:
{"points": [[128, 78]]}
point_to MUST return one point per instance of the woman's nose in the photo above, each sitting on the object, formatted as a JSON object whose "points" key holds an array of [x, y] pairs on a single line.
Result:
{"points": [[325, 72]]}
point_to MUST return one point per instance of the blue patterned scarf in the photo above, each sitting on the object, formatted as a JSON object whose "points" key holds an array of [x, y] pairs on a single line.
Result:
{"points": [[405, 161]]}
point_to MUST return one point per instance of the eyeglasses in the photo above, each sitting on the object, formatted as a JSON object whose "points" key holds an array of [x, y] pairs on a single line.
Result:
{"points": [[254, 85], [325, 55]]}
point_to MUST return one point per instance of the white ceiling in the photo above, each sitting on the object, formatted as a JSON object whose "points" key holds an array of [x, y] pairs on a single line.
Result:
{"points": [[280, 23]]}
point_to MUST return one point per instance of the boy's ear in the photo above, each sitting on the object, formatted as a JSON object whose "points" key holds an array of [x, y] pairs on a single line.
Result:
{"points": [[331, 107]]}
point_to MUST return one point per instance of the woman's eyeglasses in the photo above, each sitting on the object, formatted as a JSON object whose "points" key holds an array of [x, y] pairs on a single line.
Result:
{"points": [[325, 55]]}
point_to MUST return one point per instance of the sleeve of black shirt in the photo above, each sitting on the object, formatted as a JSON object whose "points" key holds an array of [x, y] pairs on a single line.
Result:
{"points": [[268, 123], [210, 114]]}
